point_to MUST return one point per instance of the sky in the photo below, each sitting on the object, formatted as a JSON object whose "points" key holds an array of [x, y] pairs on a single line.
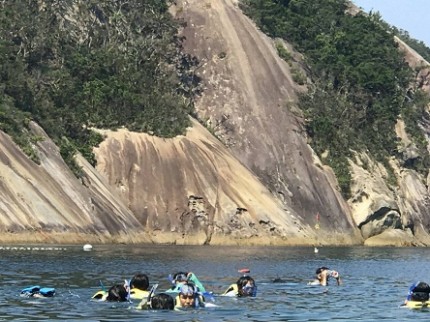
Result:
{"points": [[410, 15]]}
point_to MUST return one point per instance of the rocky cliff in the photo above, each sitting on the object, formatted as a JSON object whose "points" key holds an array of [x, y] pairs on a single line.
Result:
{"points": [[247, 176], [46, 203]]}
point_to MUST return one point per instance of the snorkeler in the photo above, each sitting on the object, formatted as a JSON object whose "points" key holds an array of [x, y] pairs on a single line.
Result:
{"points": [[139, 285], [418, 296], [323, 275], [37, 291], [162, 301], [117, 293], [181, 278], [189, 297], [244, 287]]}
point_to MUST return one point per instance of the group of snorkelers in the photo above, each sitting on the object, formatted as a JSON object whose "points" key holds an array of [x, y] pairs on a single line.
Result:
{"points": [[186, 291]]}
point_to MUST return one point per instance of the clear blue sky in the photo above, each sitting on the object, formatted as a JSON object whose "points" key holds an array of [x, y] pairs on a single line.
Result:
{"points": [[410, 15]]}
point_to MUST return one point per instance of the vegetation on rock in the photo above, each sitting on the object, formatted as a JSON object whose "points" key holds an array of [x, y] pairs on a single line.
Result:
{"points": [[76, 65], [361, 82]]}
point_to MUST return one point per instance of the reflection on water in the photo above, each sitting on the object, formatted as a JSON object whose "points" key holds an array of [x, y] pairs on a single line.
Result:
{"points": [[375, 282]]}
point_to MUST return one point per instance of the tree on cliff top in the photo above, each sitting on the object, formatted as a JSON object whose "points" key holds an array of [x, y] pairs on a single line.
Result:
{"points": [[72, 65]]}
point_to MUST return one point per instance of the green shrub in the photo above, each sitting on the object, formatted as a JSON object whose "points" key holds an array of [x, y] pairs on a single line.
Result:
{"points": [[282, 51]]}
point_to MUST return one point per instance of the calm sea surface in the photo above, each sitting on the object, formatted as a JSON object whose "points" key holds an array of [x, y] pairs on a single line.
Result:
{"points": [[375, 282]]}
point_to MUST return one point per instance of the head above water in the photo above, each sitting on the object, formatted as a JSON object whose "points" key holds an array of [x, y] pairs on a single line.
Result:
{"points": [[162, 301], [419, 291], [323, 274], [246, 286], [321, 269], [117, 293], [188, 295], [140, 281], [180, 277]]}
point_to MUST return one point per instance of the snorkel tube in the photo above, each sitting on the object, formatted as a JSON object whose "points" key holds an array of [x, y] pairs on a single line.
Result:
{"points": [[146, 304], [127, 288], [102, 286], [244, 271]]}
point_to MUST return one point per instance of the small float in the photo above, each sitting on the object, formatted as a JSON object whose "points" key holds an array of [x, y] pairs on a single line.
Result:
{"points": [[87, 247]]}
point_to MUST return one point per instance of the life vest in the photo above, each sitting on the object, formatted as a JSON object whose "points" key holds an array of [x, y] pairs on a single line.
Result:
{"points": [[135, 294], [233, 290], [138, 294], [417, 304], [100, 295], [37, 291]]}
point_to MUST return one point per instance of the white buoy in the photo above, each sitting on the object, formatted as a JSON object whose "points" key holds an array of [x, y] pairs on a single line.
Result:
{"points": [[88, 247], [315, 250]]}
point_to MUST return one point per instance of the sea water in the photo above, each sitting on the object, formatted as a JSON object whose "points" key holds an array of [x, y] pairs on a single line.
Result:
{"points": [[375, 282]]}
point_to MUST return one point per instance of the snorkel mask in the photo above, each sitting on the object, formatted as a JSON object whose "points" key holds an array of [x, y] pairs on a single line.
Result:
{"points": [[246, 286], [190, 290], [178, 278], [249, 290]]}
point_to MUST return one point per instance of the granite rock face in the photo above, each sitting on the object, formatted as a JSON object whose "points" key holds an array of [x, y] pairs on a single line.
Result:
{"points": [[247, 176], [47, 203], [193, 189], [248, 101]]}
